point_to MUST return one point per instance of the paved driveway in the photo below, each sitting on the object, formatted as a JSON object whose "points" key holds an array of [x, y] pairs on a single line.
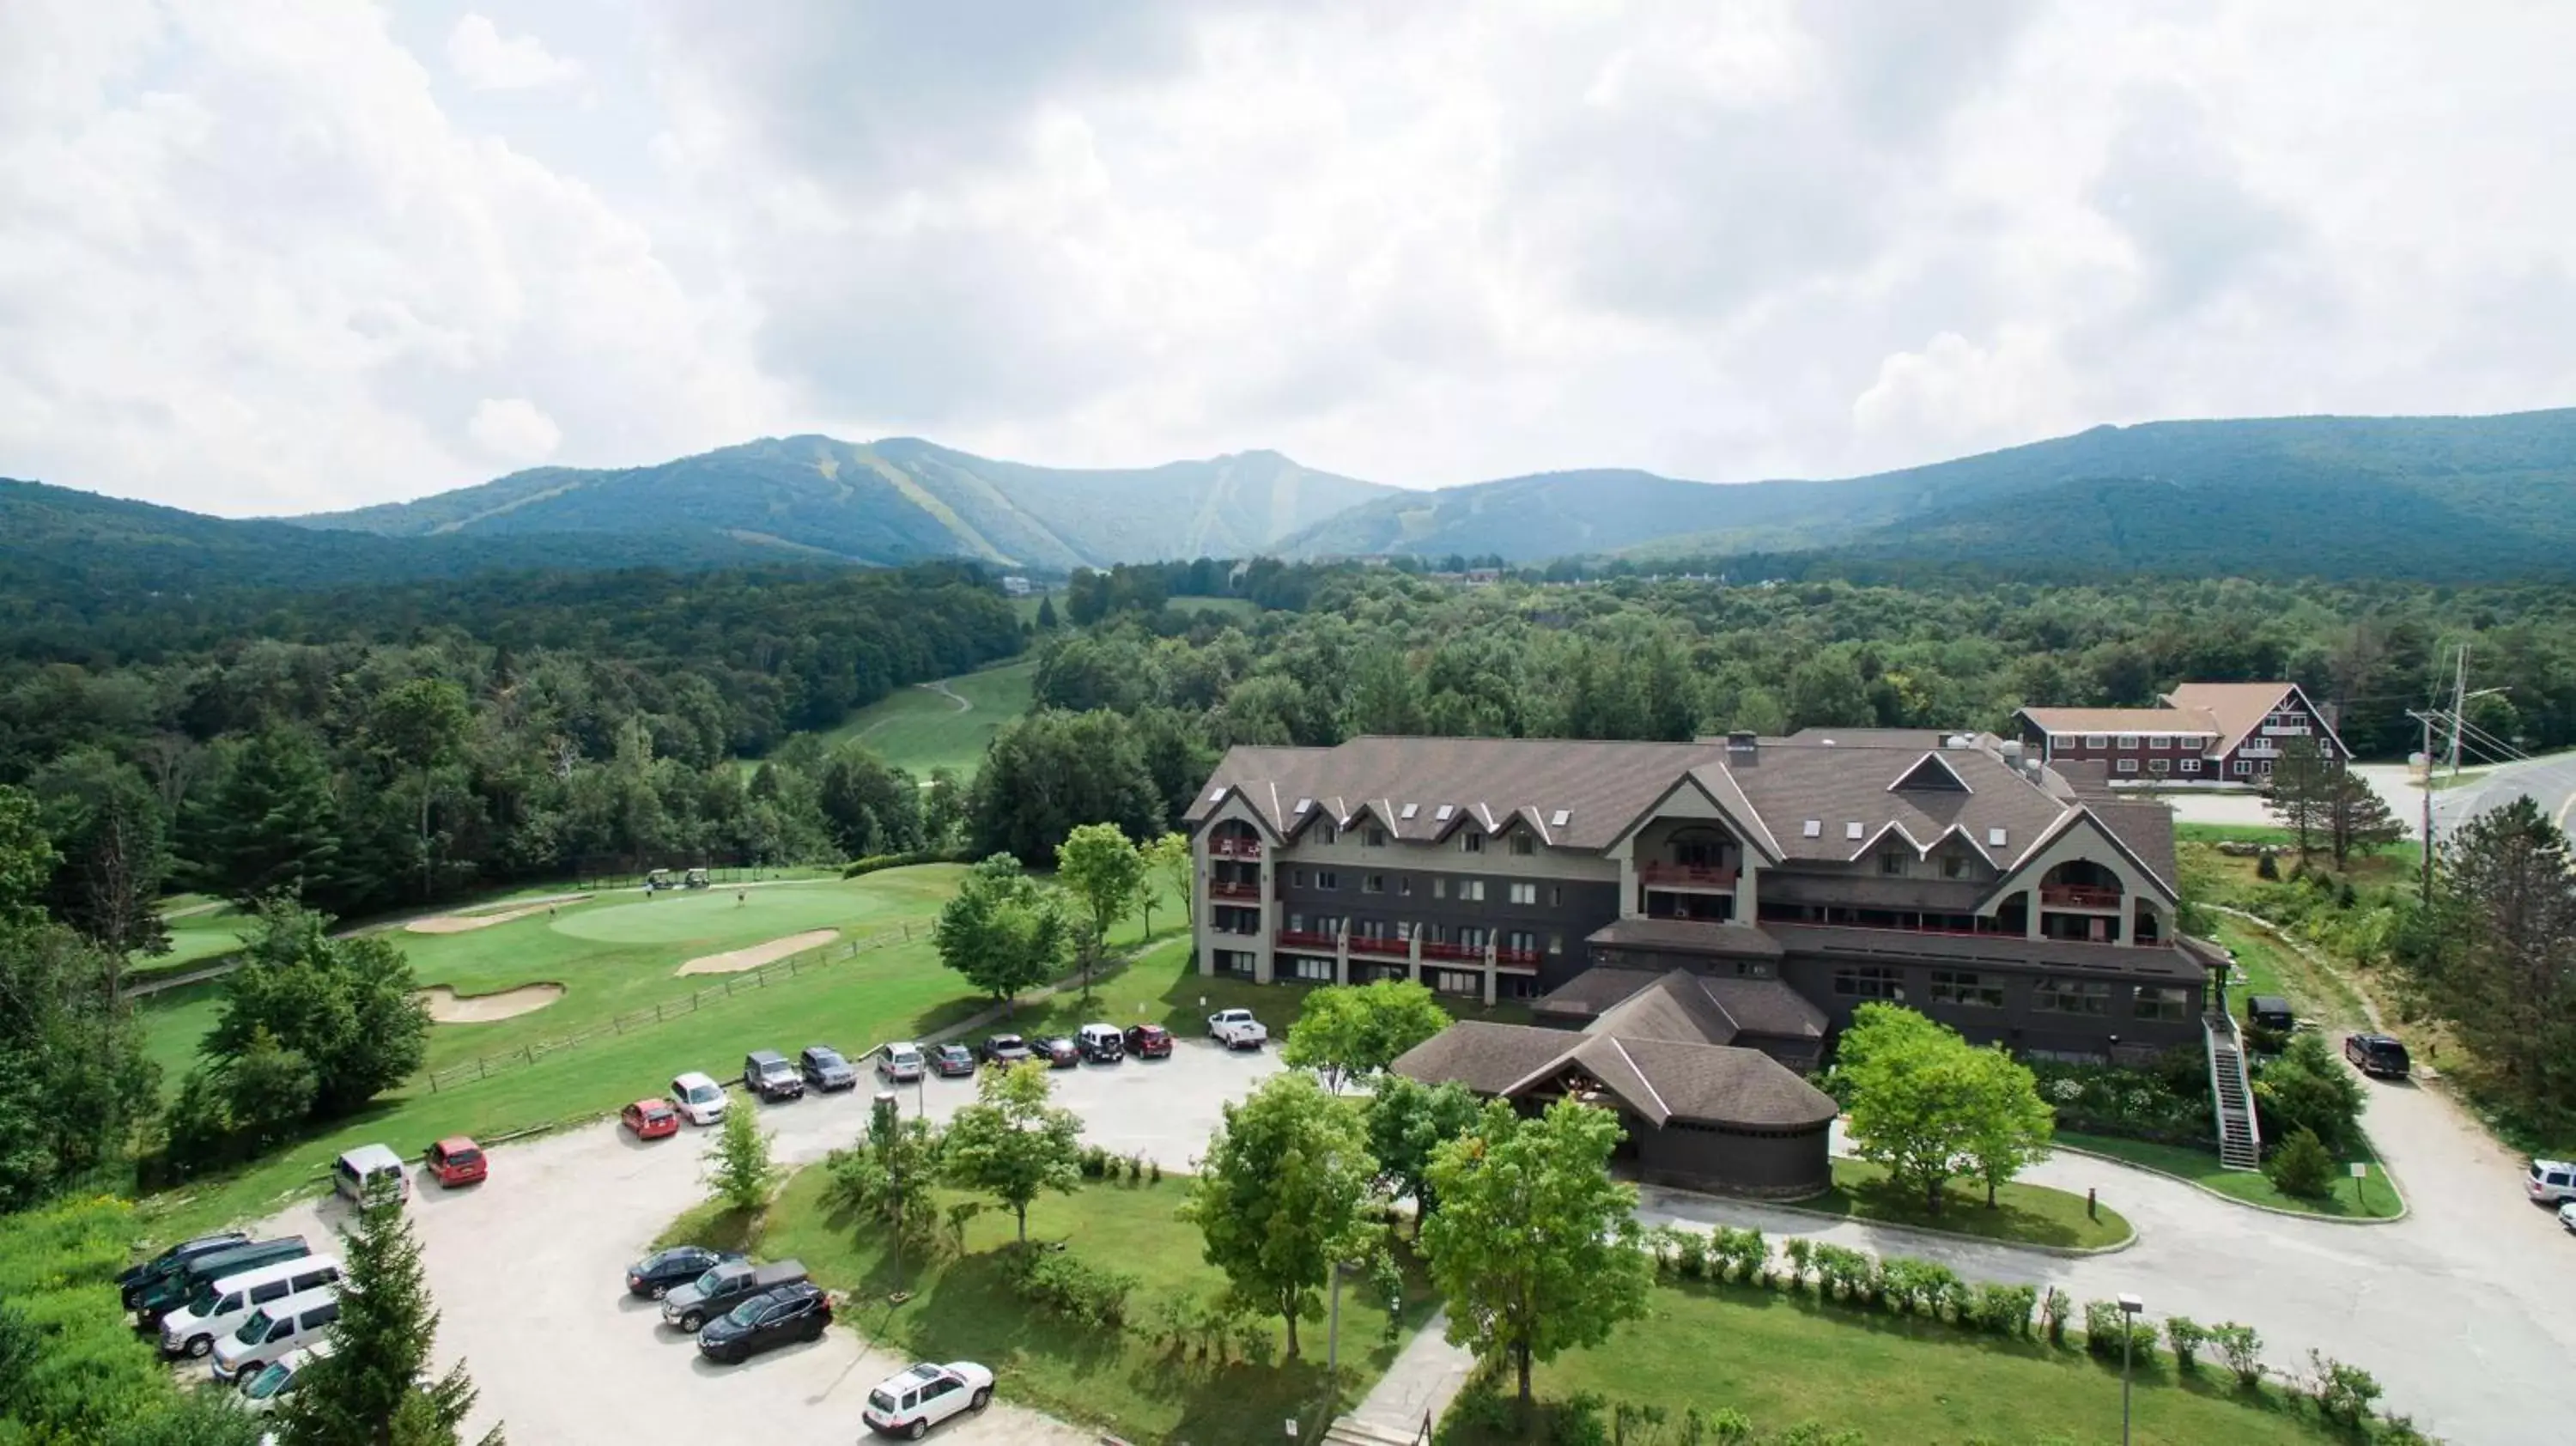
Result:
{"points": [[2460, 1310], [528, 1270]]}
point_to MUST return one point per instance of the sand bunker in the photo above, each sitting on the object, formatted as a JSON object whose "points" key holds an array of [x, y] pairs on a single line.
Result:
{"points": [[758, 954], [467, 923], [446, 1006]]}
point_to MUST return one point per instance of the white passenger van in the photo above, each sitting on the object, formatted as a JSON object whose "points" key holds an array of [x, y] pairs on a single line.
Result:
{"points": [[220, 1306]]}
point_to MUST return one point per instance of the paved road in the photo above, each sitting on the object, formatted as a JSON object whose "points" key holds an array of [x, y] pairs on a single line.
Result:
{"points": [[2392, 780], [2550, 782], [2460, 1310], [528, 1270]]}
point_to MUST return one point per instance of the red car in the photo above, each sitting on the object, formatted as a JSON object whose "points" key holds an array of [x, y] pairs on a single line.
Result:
{"points": [[456, 1161], [1149, 1041], [650, 1119]]}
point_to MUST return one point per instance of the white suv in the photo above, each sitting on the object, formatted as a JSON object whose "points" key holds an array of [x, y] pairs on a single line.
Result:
{"points": [[2552, 1182], [701, 1100], [900, 1063], [921, 1397]]}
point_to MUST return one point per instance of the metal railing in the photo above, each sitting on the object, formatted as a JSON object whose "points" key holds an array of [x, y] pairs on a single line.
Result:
{"points": [[1219, 889], [1235, 848], [1698, 875], [2080, 896]]}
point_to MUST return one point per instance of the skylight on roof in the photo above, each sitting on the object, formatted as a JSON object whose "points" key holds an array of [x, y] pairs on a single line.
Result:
{"points": [[1215, 793], [1410, 810], [1442, 816], [1995, 838], [1813, 828], [1851, 831], [1304, 804], [1560, 818]]}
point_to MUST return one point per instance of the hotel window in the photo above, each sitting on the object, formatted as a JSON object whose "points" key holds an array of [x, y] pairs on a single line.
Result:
{"points": [[1376, 838], [1373, 884], [1327, 879], [1524, 845], [2191, 765], [2071, 996], [2128, 740], [1297, 878], [1457, 981], [2159, 765], [1891, 862], [1319, 971], [2097, 740], [1868, 981], [1472, 938], [1330, 832], [1954, 866], [1556, 896], [1969, 991], [1473, 843], [2160, 740], [2244, 766], [2128, 765], [1521, 941], [1556, 943], [2169, 1003], [1525, 894], [1439, 887], [1471, 891], [1404, 886]]}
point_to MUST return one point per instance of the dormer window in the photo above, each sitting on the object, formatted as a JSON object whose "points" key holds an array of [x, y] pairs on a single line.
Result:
{"points": [[1891, 862], [1473, 843], [1376, 837], [1523, 845], [1954, 866]]}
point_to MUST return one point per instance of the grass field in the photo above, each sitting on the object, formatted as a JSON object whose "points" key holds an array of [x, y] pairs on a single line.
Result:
{"points": [[2023, 1214], [963, 1306], [2371, 1198], [919, 729], [1784, 1360]]}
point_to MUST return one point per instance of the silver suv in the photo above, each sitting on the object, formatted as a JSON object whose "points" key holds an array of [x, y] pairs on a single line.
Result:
{"points": [[901, 1063]]}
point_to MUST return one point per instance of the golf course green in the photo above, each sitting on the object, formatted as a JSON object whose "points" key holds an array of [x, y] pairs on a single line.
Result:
{"points": [[703, 921]]}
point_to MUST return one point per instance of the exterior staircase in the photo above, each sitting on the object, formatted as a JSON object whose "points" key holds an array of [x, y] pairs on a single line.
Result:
{"points": [[1351, 1431], [2240, 1146]]}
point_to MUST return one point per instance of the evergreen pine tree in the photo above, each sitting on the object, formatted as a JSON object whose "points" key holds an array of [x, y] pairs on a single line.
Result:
{"points": [[2302, 790], [274, 825], [1047, 620], [372, 1390]]}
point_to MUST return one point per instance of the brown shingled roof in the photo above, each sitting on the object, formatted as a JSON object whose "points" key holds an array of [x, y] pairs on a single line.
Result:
{"points": [[1725, 1086], [1487, 1058], [1690, 936]]}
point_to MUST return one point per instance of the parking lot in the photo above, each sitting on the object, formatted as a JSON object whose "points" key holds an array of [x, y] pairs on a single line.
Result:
{"points": [[528, 1269]]}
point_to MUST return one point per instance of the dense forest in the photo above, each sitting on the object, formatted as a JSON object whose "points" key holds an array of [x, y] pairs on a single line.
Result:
{"points": [[369, 747]]}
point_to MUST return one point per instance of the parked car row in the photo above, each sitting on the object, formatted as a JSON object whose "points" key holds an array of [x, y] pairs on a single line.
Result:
{"points": [[1091, 1044], [245, 1305]]}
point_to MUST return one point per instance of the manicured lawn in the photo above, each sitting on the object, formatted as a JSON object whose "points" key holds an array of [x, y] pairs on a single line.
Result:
{"points": [[173, 1021], [918, 729], [1784, 1360], [2367, 1198], [2268, 966], [197, 938], [963, 1306], [2023, 1214], [891, 993]]}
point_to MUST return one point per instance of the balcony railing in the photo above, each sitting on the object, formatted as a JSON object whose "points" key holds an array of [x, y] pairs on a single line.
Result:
{"points": [[1221, 889], [1235, 848], [1381, 945], [2079, 896], [1304, 939], [1689, 876], [1525, 958], [1474, 953]]}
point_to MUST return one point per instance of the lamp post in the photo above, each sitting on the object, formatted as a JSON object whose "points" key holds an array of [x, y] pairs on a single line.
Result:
{"points": [[2130, 1305]]}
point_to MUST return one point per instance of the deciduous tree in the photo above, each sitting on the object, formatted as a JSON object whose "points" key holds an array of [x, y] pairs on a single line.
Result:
{"points": [[1000, 930], [1535, 1246], [1280, 1198], [1101, 870], [1349, 1032], [1168, 865], [2014, 1125], [346, 1005], [741, 1167], [1927, 1105], [1408, 1121], [374, 1387], [1013, 1143]]}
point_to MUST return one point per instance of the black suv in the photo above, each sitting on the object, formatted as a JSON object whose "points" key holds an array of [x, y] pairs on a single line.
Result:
{"points": [[766, 1073], [134, 1284], [2377, 1054], [799, 1312], [825, 1070]]}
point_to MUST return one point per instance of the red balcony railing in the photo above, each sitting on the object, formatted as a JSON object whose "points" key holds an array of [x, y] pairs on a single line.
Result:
{"points": [[1526, 958], [1471, 952], [2079, 896], [1390, 948], [1687, 876], [1220, 889], [1304, 939], [1235, 848]]}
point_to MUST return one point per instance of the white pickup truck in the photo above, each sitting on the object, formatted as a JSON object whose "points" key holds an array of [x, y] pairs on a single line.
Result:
{"points": [[1236, 1029]]}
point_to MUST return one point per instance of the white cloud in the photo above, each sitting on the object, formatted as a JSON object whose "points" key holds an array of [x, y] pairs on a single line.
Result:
{"points": [[514, 430], [280, 261], [487, 60]]}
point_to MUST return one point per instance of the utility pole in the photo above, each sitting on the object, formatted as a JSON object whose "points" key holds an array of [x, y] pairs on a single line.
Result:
{"points": [[2426, 719], [2459, 718]]}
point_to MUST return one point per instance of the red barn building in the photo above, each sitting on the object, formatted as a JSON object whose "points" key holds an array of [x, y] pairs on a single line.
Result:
{"points": [[2198, 733]]}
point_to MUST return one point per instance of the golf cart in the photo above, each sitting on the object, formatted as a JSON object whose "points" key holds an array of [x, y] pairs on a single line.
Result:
{"points": [[697, 879], [658, 880]]}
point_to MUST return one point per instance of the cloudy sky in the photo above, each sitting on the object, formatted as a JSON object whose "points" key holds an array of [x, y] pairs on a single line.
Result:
{"points": [[279, 255]]}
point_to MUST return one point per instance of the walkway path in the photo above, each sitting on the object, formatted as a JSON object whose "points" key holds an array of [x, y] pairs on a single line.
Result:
{"points": [[1427, 1375], [942, 689]]}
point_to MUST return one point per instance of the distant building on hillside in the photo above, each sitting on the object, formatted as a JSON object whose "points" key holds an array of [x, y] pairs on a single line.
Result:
{"points": [[1017, 586], [2198, 733]]}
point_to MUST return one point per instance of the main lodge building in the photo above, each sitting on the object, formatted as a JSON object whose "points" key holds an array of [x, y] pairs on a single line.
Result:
{"points": [[1692, 922]]}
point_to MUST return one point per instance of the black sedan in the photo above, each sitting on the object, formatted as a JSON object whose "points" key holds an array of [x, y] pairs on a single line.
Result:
{"points": [[951, 1060], [773, 1318], [658, 1274], [1005, 1049], [1058, 1051]]}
